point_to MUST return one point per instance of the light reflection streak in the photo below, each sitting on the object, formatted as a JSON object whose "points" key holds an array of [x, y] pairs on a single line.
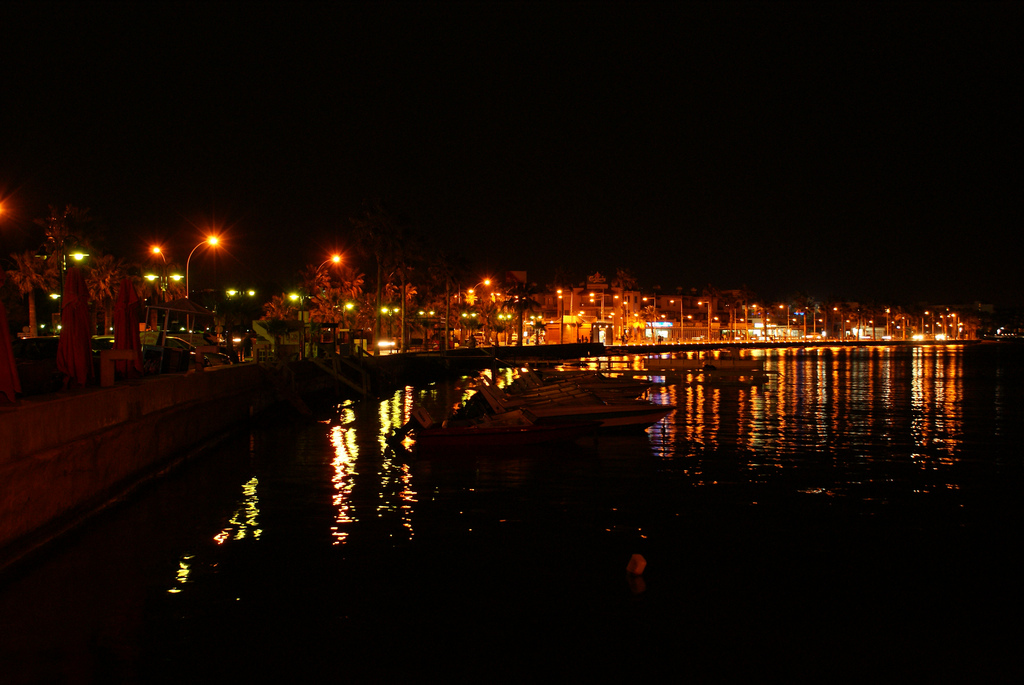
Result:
{"points": [[245, 520], [396, 494], [184, 570], [851, 406], [346, 450]]}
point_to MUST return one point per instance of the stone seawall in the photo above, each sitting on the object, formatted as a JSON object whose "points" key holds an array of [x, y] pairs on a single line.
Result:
{"points": [[65, 455]]}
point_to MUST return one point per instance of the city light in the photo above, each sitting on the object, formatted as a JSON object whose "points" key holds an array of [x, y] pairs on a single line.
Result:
{"points": [[211, 241]]}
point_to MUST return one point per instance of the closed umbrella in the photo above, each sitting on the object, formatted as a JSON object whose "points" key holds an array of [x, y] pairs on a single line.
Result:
{"points": [[126, 328], [74, 351], [9, 383]]}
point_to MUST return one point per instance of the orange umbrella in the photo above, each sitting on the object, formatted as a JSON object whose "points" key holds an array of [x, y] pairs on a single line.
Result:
{"points": [[9, 382], [74, 351], [126, 328]]}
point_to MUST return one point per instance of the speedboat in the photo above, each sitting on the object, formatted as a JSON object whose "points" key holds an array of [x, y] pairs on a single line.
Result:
{"points": [[606, 387], [515, 428], [610, 414]]}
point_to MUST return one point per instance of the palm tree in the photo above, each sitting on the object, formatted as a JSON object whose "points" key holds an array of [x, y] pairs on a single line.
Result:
{"points": [[314, 280], [279, 308], [519, 299], [351, 282], [712, 295], [624, 279], [648, 315], [63, 229], [802, 303], [843, 311], [444, 273], [31, 274], [745, 297], [383, 237], [102, 280]]}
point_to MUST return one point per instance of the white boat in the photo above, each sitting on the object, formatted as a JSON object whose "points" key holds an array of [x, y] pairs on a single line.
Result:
{"points": [[610, 414], [603, 386]]}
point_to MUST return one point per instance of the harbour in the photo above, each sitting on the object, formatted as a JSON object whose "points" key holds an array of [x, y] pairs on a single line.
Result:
{"points": [[854, 515]]}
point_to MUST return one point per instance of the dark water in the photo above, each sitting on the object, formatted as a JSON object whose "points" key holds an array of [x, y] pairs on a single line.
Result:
{"points": [[857, 517]]}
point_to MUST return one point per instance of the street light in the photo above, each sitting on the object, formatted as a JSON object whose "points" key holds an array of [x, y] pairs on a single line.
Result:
{"points": [[61, 247], [680, 317], [699, 303], [561, 316], [471, 292], [164, 277], [212, 241], [335, 258]]}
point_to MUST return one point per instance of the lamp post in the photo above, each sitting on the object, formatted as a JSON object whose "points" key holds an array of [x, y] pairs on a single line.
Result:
{"points": [[300, 299], [680, 317], [61, 247], [572, 308], [471, 296], [335, 259], [471, 292], [163, 280], [212, 241], [561, 316], [700, 303]]}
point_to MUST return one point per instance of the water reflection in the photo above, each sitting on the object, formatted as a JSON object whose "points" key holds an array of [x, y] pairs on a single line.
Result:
{"points": [[872, 483], [397, 494], [184, 570], [346, 451], [824, 400], [245, 520]]}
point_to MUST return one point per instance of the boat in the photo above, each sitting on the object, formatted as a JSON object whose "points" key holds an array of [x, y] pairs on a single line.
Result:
{"points": [[516, 428], [623, 414], [595, 382]]}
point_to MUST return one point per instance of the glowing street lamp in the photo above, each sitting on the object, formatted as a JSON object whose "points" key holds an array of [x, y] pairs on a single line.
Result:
{"points": [[333, 259], [471, 292], [700, 303], [212, 241], [561, 316], [164, 278], [680, 317]]}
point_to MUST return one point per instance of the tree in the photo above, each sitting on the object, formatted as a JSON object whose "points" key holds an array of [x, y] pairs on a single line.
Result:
{"points": [[383, 237], [519, 299], [102, 280], [648, 315], [31, 274], [65, 228], [745, 297], [624, 279], [445, 272], [279, 308]]}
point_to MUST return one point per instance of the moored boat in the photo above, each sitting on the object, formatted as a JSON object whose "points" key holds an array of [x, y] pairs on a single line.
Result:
{"points": [[621, 414], [516, 428], [496, 435]]}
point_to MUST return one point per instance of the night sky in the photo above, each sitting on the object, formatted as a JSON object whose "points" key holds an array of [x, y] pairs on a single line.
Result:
{"points": [[850, 150]]}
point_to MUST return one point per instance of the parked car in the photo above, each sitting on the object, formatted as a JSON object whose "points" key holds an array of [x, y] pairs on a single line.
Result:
{"points": [[209, 358], [102, 342], [36, 361]]}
